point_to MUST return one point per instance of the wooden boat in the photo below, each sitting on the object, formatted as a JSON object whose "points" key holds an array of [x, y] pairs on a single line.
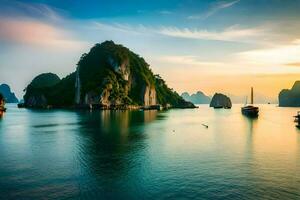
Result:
{"points": [[2, 110], [2, 102], [250, 110], [297, 119]]}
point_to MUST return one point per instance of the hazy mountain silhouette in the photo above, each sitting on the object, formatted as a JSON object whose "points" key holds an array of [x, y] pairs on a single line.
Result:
{"points": [[197, 98], [8, 95], [201, 98]]}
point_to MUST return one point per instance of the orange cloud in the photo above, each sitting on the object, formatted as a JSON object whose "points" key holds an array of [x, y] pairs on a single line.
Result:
{"points": [[296, 64], [31, 32]]}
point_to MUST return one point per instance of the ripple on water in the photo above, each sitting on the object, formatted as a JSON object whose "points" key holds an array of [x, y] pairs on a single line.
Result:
{"points": [[149, 155]]}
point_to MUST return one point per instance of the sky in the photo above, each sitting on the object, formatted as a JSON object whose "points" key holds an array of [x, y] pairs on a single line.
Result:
{"points": [[208, 45]]}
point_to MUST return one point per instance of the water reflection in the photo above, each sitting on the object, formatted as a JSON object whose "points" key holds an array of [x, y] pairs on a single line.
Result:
{"points": [[250, 124], [111, 143], [271, 152], [149, 155], [250, 128]]}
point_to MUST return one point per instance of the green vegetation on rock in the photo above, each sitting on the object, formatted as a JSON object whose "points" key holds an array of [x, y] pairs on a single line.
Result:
{"points": [[165, 95], [110, 74]]}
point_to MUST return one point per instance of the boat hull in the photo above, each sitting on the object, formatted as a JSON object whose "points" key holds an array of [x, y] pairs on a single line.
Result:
{"points": [[250, 111]]}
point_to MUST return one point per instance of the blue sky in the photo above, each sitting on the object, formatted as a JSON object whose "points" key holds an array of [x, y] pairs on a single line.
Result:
{"points": [[207, 45]]}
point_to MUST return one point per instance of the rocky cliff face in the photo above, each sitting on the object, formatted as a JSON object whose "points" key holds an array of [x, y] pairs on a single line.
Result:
{"points": [[110, 75], [77, 87], [220, 101], [290, 98], [149, 96], [8, 95], [122, 68], [37, 101]]}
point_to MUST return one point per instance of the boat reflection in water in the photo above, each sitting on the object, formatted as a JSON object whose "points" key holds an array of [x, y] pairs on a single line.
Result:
{"points": [[250, 110], [297, 119]]}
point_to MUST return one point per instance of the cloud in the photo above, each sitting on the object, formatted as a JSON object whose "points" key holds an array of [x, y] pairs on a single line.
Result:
{"points": [[14, 8], [36, 24], [296, 64], [188, 60], [214, 9], [270, 61], [35, 33], [282, 55], [116, 27], [233, 33], [197, 65]]}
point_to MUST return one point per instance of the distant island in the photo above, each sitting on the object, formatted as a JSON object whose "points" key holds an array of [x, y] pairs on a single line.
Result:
{"points": [[220, 101], [290, 97], [8, 95], [197, 98], [201, 98], [110, 76]]}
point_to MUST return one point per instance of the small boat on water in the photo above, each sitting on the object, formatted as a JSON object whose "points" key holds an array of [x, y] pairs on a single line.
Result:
{"points": [[297, 119], [250, 110], [2, 111], [2, 102]]}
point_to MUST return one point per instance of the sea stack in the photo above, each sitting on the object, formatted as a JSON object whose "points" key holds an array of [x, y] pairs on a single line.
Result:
{"points": [[290, 97], [220, 101]]}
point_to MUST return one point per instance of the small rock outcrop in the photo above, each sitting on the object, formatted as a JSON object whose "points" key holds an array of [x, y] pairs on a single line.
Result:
{"points": [[197, 98], [290, 97], [220, 101], [8, 95]]}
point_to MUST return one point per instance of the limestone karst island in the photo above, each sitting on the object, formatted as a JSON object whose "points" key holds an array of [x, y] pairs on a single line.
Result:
{"points": [[110, 76]]}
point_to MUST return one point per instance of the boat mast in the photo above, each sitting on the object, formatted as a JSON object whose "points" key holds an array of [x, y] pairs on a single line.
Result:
{"points": [[251, 95]]}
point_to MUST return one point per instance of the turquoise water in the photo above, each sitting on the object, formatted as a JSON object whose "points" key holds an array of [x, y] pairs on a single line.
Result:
{"points": [[149, 155]]}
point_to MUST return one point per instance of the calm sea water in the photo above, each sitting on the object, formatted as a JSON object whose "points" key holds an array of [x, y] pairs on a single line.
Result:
{"points": [[149, 155]]}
